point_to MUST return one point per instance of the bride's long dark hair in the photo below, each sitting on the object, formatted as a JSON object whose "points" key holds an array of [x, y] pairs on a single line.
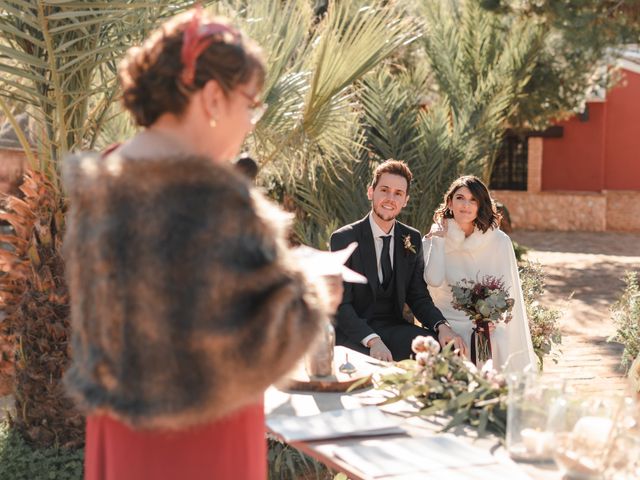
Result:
{"points": [[488, 216]]}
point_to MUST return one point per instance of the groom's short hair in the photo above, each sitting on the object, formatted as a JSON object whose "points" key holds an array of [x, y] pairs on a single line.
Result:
{"points": [[395, 167]]}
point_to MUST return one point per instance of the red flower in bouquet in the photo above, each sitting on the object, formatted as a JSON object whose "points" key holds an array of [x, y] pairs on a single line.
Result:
{"points": [[485, 301]]}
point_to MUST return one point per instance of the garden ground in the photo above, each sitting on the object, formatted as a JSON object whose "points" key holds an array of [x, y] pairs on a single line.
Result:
{"points": [[584, 278]]}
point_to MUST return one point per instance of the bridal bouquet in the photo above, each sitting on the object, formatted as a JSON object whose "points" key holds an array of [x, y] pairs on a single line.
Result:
{"points": [[485, 301]]}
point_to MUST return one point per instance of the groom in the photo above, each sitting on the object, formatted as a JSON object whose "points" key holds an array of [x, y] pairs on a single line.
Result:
{"points": [[389, 254]]}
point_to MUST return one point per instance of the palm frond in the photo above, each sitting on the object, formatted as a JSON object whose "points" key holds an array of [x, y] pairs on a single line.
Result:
{"points": [[482, 64], [331, 198], [349, 47], [282, 29], [345, 45], [60, 57], [391, 102], [22, 137]]}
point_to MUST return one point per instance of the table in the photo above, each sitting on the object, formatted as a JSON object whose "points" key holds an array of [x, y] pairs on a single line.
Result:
{"points": [[280, 401]]}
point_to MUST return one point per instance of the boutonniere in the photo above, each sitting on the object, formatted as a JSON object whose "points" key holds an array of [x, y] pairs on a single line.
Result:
{"points": [[408, 246]]}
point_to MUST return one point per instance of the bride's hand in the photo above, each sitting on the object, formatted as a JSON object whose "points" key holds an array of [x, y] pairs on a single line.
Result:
{"points": [[438, 229], [446, 335]]}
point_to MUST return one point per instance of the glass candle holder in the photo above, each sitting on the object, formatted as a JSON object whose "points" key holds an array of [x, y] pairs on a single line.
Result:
{"points": [[583, 447], [319, 358], [534, 412], [622, 456]]}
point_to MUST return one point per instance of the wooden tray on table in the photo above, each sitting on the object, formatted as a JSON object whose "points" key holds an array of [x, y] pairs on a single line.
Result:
{"points": [[298, 379]]}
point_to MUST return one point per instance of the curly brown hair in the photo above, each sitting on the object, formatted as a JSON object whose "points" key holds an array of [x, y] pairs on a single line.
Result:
{"points": [[150, 74], [395, 167], [488, 216]]}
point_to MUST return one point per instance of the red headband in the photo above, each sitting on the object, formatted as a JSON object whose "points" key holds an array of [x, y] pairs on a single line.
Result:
{"points": [[197, 38]]}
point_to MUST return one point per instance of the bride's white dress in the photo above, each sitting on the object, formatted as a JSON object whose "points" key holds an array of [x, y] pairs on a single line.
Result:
{"points": [[453, 258]]}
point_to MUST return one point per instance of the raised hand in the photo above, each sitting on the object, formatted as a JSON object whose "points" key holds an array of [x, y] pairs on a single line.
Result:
{"points": [[438, 229]]}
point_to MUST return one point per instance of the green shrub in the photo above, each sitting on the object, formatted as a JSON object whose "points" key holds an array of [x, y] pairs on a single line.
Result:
{"points": [[543, 321], [520, 251], [626, 317], [287, 463], [19, 461]]}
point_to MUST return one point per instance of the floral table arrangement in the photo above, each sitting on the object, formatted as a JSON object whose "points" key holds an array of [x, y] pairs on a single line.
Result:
{"points": [[585, 436], [442, 382]]}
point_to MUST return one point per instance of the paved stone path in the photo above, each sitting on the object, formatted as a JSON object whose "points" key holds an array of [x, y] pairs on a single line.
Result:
{"points": [[590, 266]]}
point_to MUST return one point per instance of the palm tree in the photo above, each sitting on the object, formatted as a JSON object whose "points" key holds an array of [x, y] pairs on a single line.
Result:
{"points": [[441, 103], [444, 106], [582, 39], [36, 295], [310, 142], [59, 59], [481, 64]]}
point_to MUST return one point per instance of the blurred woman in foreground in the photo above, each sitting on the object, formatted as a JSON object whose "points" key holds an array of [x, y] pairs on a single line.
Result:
{"points": [[185, 302]]}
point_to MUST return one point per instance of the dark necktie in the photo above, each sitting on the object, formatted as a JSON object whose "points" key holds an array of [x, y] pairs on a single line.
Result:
{"points": [[385, 261]]}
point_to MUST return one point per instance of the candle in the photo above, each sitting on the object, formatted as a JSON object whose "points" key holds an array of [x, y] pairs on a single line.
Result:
{"points": [[592, 432], [538, 444], [580, 452]]}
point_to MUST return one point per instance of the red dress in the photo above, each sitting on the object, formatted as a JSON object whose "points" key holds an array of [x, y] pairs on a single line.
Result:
{"points": [[233, 447]]}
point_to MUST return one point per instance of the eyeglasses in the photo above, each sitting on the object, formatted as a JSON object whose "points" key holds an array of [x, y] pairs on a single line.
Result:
{"points": [[256, 107]]}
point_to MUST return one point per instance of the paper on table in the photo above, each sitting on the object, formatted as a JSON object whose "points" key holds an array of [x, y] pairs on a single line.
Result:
{"points": [[365, 421], [319, 262], [439, 456]]}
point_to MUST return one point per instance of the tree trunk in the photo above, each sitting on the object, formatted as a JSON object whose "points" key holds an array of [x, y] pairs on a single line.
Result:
{"points": [[39, 319]]}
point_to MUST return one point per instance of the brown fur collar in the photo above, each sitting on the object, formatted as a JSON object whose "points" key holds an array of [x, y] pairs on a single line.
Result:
{"points": [[185, 305]]}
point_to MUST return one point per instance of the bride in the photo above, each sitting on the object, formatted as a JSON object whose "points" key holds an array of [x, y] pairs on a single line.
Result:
{"points": [[466, 243]]}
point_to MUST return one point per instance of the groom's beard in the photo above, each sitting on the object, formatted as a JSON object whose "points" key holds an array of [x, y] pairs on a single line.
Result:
{"points": [[384, 214]]}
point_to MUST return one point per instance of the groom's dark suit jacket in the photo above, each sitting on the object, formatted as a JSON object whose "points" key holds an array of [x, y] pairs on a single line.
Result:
{"points": [[410, 288]]}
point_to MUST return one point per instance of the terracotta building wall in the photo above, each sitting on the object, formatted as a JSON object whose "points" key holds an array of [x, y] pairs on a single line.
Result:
{"points": [[622, 135], [623, 211], [589, 179], [601, 152], [574, 162], [557, 211]]}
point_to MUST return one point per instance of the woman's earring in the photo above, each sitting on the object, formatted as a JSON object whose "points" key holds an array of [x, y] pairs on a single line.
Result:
{"points": [[213, 123]]}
